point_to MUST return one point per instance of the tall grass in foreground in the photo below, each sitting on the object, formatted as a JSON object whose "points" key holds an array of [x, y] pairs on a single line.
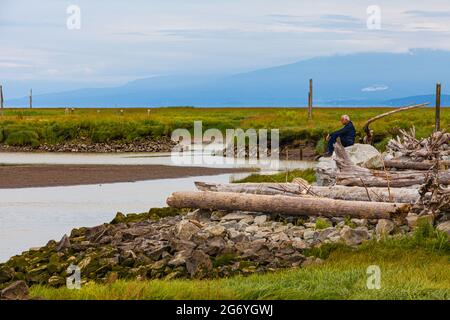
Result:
{"points": [[415, 267]]}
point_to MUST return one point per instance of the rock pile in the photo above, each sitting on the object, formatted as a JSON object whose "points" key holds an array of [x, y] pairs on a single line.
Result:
{"points": [[162, 144], [198, 244]]}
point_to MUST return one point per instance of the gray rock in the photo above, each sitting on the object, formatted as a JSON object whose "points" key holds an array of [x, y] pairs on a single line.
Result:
{"points": [[236, 216], [186, 229], [16, 291], [215, 246], [280, 228], [216, 230], [198, 265], [180, 258], [280, 236], [444, 227], [179, 245], [64, 243], [299, 244], [414, 219], [384, 227], [324, 234], [354, 237], [230, 224], [241, 226], [6, 274], [252, 229], [199, 215], [310, 235], [236, 236], [55, 281], [261, 234], [310, 224], [360, 222], [259, 220], [295, 231]]}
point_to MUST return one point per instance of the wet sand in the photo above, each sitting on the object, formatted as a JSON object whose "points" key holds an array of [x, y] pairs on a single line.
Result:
{"points": [[29, 176]]}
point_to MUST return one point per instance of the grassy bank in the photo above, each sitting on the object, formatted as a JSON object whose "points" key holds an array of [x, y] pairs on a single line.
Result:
{"points": [[309, 175], [411, 268], [37, 126]]}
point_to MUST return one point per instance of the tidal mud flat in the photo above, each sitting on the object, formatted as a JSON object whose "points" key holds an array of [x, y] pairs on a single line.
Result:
{"points": [[30, 176]]}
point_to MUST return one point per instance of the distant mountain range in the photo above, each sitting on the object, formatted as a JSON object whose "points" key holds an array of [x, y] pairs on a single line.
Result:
{"points": [[364, 79]]}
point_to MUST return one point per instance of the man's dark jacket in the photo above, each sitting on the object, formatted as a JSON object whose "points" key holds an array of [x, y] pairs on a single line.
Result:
{"points": [[347, 135]]}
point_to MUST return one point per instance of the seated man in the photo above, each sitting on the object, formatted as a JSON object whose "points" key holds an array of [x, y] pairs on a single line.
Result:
{"points": [[347, 135]]}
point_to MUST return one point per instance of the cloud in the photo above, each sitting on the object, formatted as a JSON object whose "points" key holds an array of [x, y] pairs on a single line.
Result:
{"points": [[428, 14], [6, 64], [27, 24], [328, 22], [375, 88]]}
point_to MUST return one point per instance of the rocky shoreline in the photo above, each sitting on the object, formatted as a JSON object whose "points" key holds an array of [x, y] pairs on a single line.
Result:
{"points": [[170, 243], [161, 144]]}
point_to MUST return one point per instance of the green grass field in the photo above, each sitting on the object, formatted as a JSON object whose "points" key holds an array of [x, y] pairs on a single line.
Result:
{"points": [[415, 267], [36, 126]]}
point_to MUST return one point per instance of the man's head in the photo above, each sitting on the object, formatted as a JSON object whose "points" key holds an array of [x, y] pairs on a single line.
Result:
{"points": [[345, 119]]}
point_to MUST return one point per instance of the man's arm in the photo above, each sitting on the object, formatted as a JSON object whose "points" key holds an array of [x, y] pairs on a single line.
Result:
{"points": [[345, 130]]}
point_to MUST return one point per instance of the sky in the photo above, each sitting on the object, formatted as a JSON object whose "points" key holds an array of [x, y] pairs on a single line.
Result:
{"points": [[119, 41]]}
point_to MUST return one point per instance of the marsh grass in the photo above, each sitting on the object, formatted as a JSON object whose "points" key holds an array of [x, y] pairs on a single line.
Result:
{"points": [[414, 267], [53, 126]]}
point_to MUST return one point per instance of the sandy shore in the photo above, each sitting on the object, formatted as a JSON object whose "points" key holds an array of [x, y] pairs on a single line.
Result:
{"points": [[28, 176]]}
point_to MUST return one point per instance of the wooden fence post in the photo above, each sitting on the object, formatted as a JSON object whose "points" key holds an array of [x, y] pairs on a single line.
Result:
{"points": [[1, 99], [310, 99], [438, 107]]}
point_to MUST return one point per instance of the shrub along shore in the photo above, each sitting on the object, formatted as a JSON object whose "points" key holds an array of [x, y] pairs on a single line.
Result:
{"points": [[43, 129]]}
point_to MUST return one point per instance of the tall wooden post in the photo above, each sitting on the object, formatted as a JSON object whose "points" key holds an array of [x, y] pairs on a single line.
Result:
{"points": [[310, 99], [1, 99], [31, 98], [438, 107]]}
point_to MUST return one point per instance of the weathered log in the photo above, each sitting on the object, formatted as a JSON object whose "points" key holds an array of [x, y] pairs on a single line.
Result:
{"points": [[400, 195], [278, 204], [385, 179], [397, 164], [352, 175]]}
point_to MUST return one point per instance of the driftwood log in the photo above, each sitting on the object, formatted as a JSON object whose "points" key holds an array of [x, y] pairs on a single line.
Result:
{"points": [[279, 204], [414, 165], [369, 133], [350, 174], [400, 195]]}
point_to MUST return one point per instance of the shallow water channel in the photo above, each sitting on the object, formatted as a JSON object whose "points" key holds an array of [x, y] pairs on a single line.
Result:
{"points": [[29, 217]]}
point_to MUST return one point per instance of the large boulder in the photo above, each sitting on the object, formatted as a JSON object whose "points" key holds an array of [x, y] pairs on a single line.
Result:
{"points": [[363, 155]]}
